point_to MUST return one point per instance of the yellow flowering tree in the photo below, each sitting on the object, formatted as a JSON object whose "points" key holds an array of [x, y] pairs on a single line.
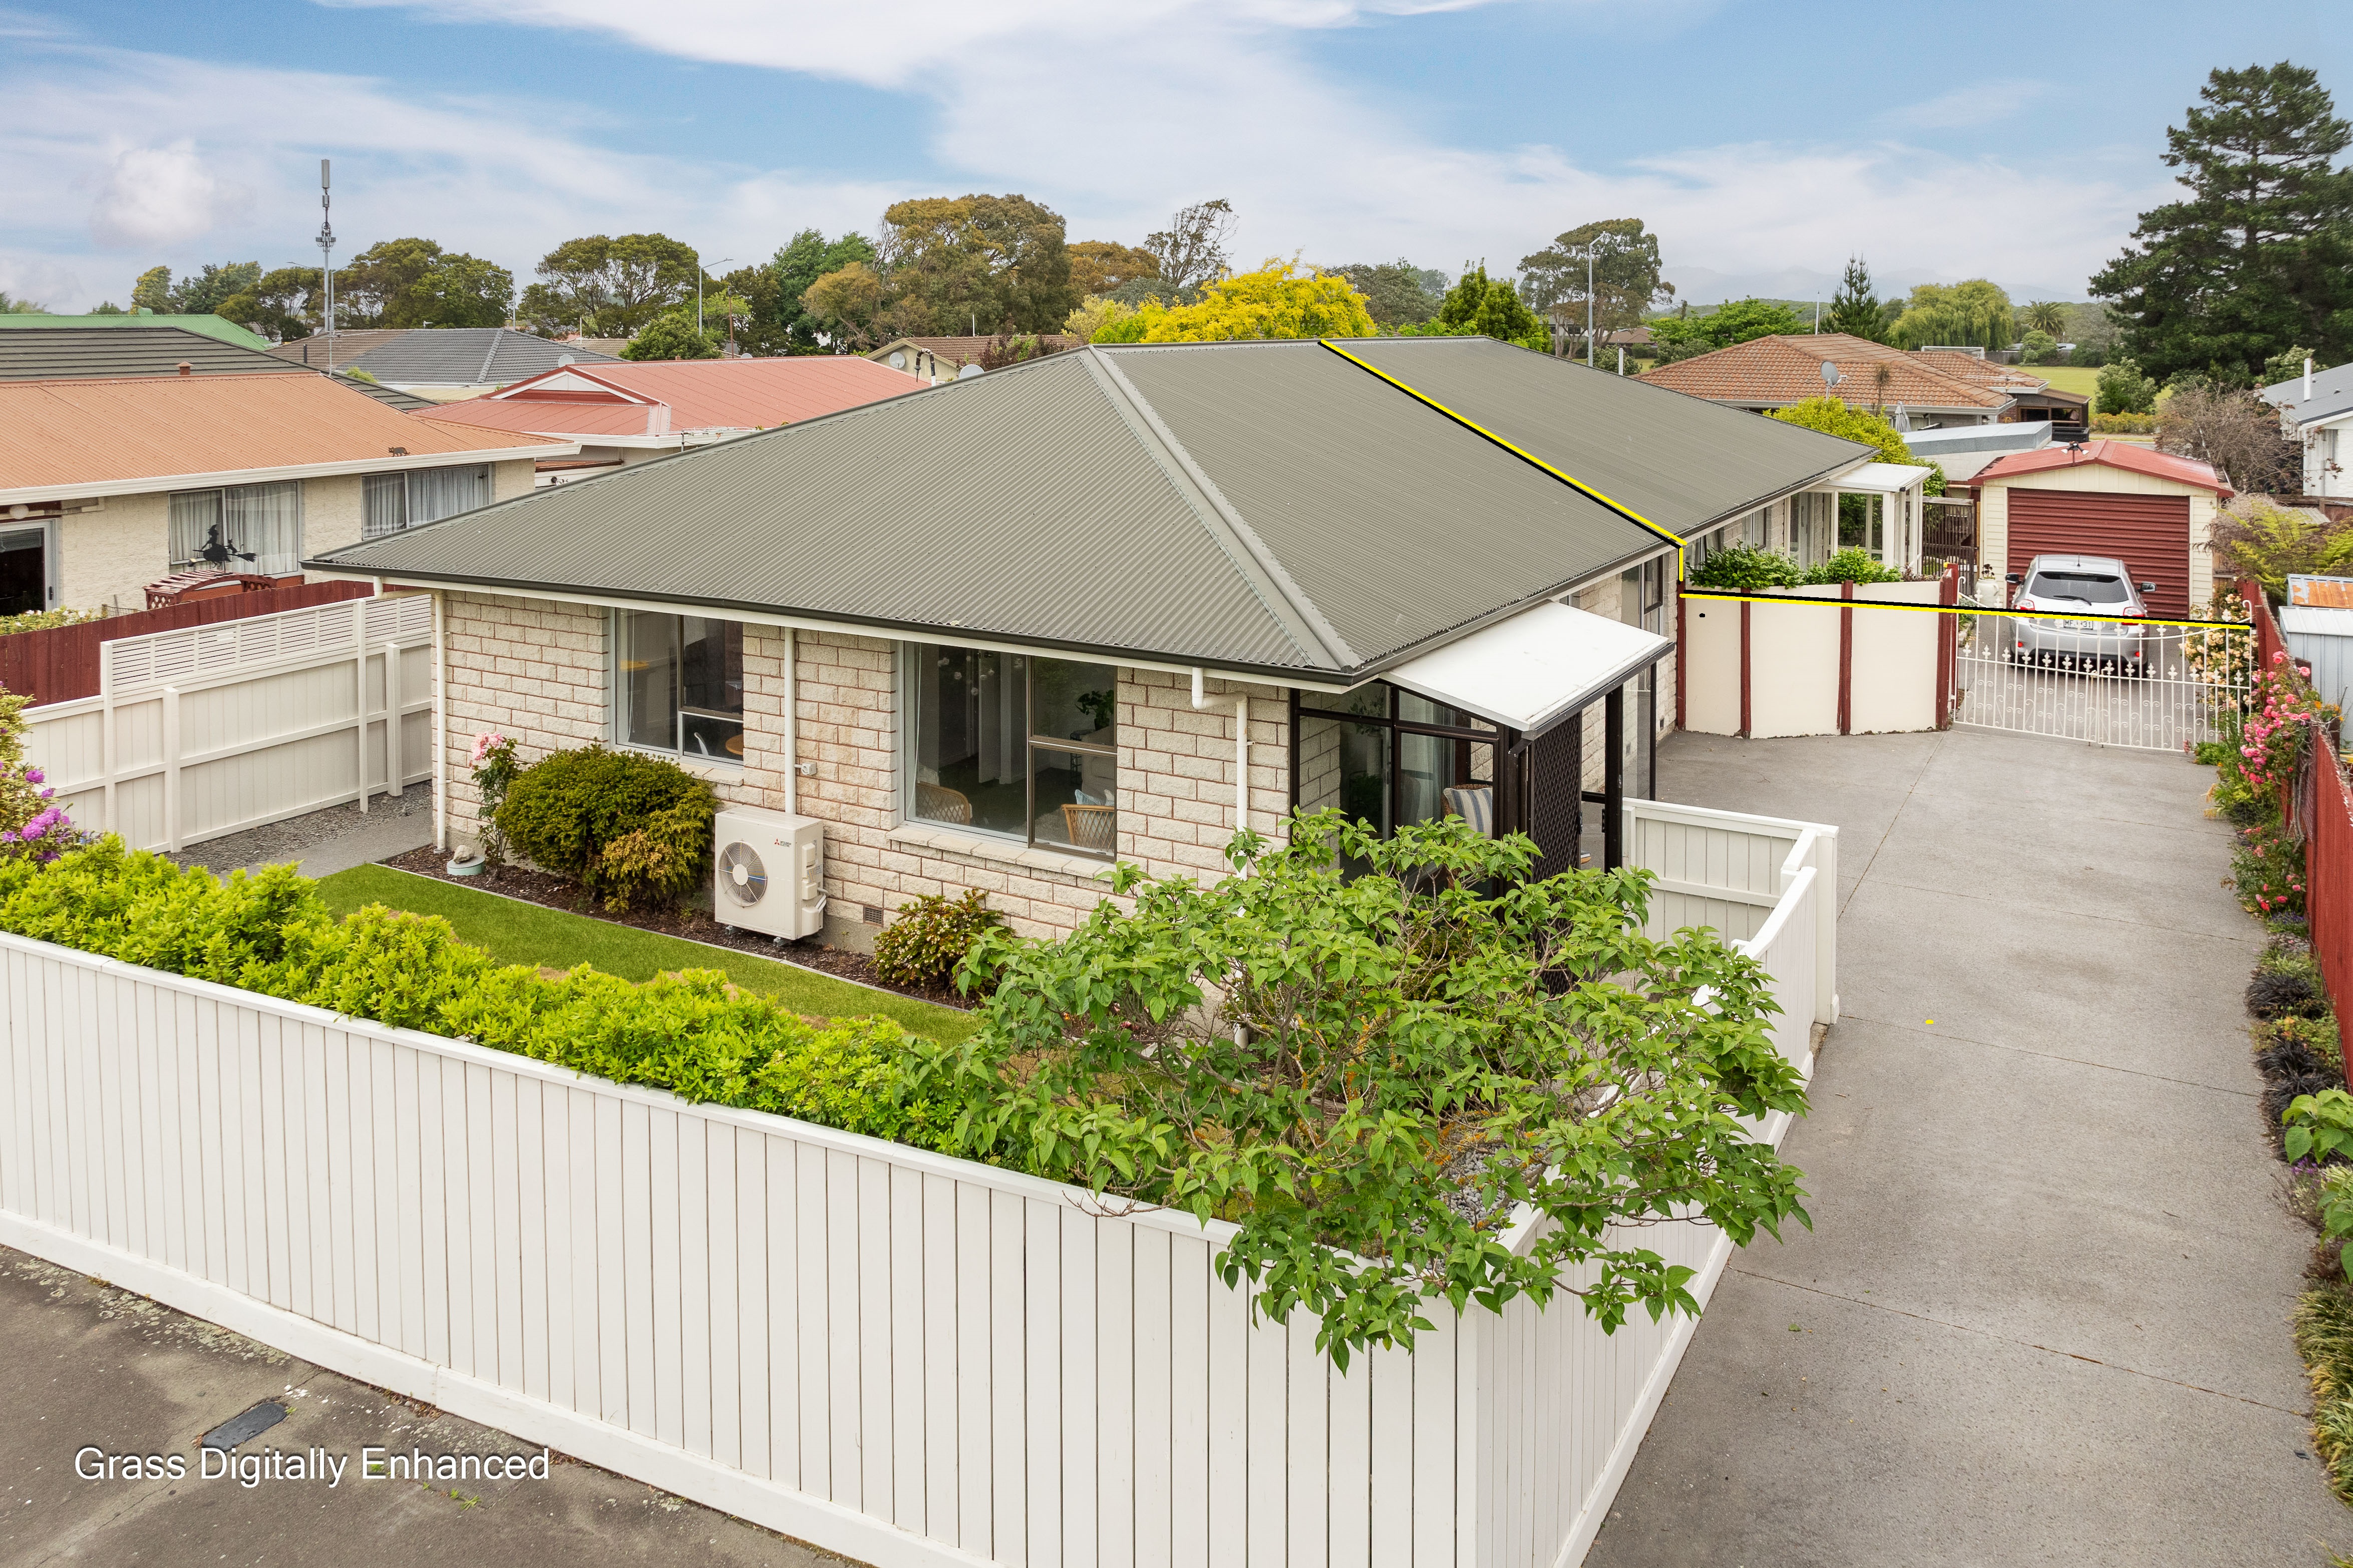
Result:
{"points": [[1281, 299]]}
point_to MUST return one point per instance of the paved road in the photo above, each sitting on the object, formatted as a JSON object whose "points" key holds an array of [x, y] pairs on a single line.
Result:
{"points": [[87, 1364], [2042, 1317]]}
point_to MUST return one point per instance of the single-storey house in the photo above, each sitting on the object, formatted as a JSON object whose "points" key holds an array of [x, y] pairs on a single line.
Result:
{"points": [[2150, 509], [1921, 389], [627, 411], [109, 483], [2317, 411], [1116, 603], [944, 359], [442, 364], [55, 353]]}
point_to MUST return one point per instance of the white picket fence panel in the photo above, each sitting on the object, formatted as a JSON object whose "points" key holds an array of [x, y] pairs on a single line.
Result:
{"points": [[207, 730], [901, 1357]]}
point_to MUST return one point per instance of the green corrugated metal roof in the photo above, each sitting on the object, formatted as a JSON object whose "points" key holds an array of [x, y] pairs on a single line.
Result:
{"points": [[1254, 506], [219, 327]]}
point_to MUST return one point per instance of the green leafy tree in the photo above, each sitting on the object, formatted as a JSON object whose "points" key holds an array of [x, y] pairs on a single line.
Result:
{"points": [[2039, 347], [2260, 253], [1855, 310], [415, 283], [1833, 418], [956, 264], [1479, 306], [1397, 293], [153, 291], [608, 286], [1279, 300], [2047, 316], [1976, 313], [1190, 253], [1734, 322], [201, 294], [18, 305], [2287, 366], [776, 321], [671, 335], [2124, 390], [1370, 1074], [1624, 257], [846, 306], [1104, 266], [283, 305]]}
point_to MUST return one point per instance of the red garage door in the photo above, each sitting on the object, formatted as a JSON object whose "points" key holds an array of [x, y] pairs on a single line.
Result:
{"points": [[2148, 533]]}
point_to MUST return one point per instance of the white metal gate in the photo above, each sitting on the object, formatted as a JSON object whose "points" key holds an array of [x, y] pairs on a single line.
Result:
{"points": [[2070, 686]]}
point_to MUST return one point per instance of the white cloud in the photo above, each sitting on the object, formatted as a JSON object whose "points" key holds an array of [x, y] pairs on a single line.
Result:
{"points": [[1113, 114], [162, 195], [1966, 108]]}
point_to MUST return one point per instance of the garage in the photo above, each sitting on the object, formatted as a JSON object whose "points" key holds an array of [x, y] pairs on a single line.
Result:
{"points": [[2149, 533], [2151, 510]]}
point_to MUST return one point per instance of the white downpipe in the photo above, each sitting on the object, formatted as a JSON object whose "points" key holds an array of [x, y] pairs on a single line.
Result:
{"points": [[792, 726], [1241, 748], [441, 726]]}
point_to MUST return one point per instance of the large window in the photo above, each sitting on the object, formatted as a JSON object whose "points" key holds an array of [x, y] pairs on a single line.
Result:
{"points": [[1389, 757], [678, 681], [1013, 744], [245, 528], [411, 500]]}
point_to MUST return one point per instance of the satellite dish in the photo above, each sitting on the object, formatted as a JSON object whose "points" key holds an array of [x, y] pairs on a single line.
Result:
{"points": [[1830, 373], [967, 373], [899, 359]]}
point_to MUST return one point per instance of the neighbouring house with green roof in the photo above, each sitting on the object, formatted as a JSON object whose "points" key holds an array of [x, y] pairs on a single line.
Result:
{"points": [[219, 327], [1002, 632]]}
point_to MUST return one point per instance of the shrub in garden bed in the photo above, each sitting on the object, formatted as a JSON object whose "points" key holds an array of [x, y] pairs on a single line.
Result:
{"points": [[632, 830], [931, 935]]}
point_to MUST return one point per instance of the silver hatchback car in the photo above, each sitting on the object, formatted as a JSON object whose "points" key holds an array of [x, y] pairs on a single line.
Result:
{"points": [[2090, 586]]}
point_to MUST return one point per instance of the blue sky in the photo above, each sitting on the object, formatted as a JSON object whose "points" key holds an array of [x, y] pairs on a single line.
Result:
{"points": [[1764, 142]]}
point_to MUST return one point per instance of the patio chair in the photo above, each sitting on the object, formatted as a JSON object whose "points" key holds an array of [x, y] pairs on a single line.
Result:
{"points": [[1474, 804], [936, 802], [1091, 827]]}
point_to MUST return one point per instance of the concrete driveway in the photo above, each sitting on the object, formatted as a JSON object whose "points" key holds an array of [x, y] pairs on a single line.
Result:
{"points": [[2042, 1316]]}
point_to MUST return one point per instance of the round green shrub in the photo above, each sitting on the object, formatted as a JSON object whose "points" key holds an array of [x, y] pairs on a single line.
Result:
{"points": [[563, 811], [930, 936], [1852, 564], [1747, 566]]}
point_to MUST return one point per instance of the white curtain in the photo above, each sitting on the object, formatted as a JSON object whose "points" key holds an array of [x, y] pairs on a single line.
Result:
{"points": [[266, 523], [193, 512], [436, 493], [386, 505]]}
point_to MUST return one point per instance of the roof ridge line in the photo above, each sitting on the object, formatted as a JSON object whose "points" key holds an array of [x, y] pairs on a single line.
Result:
{"points": [[1269, 582], [1628, 512]]}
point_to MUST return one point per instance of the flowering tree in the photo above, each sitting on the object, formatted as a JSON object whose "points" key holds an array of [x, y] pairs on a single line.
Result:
{"points": [[494, 769], [30, 824]]}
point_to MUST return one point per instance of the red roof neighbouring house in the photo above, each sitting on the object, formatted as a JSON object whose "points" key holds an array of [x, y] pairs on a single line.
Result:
{"points": [[1772, 371], [667, 397], [2123, 454]]}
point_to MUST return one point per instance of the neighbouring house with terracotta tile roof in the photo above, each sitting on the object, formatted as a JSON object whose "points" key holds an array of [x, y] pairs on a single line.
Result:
{"points": [[629, 411], [1933, 389], [110, 483]]}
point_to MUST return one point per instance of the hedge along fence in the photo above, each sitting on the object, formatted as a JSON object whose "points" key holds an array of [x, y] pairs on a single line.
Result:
{"points": [[898, 1355]]}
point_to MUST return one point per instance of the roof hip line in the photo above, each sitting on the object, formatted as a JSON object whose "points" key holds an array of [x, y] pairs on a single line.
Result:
{"points": [[1579, 486], [1269, 580]]}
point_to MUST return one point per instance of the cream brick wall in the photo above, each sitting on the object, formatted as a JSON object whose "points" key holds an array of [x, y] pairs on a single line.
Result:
{"points": [[112, 555], [333, 509], [510, 480], [533, 670]]}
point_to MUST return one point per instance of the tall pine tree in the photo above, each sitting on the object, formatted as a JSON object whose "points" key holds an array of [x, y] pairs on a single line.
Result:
{"points": [[2259, 255], [1856, 309]]}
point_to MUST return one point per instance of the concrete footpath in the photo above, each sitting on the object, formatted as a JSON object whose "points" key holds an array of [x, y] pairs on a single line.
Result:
{"points": [[88, 1366], [2042, 1316]]}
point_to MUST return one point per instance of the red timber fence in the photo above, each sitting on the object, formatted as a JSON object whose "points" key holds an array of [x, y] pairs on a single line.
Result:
{"points": [[2326, 818], [59, 664]]}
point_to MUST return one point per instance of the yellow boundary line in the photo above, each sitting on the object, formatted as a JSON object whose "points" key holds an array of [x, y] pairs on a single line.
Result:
{"points": [[1571, 480], [1723, 594], [1630, 515]]}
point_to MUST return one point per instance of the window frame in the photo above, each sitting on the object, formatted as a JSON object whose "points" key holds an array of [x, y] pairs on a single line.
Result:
{"points": [[618, 697], [408, 477], [220, 494], [910, 739], [1389, 720]]}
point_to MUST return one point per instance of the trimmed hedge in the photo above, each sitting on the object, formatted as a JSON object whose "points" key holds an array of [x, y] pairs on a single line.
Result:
{"points": [[692, 1034], [565, 811]]}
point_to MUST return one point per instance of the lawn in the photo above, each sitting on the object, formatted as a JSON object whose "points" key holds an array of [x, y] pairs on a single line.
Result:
{"points": [[2081, 379], [516, 932]]}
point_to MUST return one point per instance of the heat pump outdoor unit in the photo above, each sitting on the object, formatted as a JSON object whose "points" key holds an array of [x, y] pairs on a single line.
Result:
{"points": [[768, 872]]}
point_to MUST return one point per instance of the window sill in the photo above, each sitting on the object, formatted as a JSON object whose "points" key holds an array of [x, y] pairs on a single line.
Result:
{"points": [[710, 768], [1005, 851]]}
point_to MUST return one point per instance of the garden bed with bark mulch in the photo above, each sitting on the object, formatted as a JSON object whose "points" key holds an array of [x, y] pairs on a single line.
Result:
{"points": [[693, 924]]}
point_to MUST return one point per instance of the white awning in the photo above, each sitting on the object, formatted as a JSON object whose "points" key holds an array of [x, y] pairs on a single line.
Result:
{"points": [[1880, 479], [1535, 669]]}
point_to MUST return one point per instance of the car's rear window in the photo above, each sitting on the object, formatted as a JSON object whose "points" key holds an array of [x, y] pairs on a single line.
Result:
{"points": [[2092, 588]]}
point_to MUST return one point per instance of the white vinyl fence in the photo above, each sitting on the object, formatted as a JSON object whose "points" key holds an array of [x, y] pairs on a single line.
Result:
{"points": [[901, 1357], [1800, 655], [205, 731]]}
